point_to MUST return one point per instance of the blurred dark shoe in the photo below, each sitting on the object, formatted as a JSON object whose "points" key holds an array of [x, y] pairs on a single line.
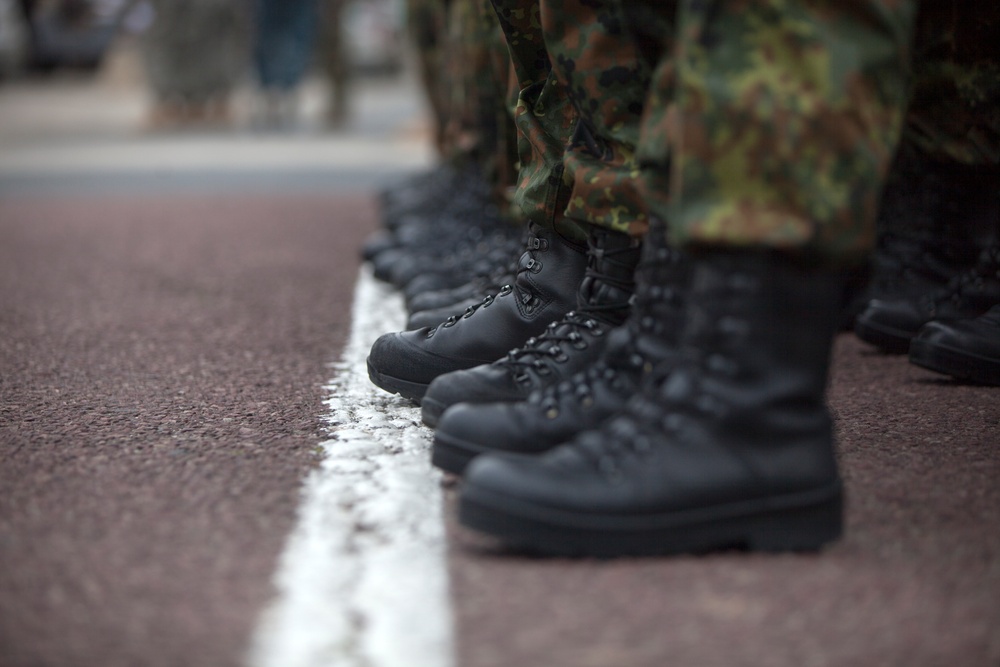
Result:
{"points": [[930, 224], [891, 324], [466, 194], [567, 346], [549, 274], [560, 410], [729, 445], [430, 308], [415, 185], [965, 349]]}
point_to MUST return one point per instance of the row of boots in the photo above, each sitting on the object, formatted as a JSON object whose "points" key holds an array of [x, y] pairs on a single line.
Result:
{"points": [[623, 398], [935, 289]]}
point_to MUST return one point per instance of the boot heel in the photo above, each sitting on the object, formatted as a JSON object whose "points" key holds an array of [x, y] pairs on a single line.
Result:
{"points": [[798, 528]]}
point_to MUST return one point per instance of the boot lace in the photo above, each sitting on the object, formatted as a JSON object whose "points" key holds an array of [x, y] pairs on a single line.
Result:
{"points": [[621, 281], [538, 353], [674, 389], [625, 365], [966, 290], [528, 262]]}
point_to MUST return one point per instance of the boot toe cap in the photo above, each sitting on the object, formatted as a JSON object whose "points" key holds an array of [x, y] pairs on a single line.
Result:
{"points": [[486, 383]]}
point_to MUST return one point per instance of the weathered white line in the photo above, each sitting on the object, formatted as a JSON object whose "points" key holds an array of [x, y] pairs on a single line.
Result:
{"points": [[362, 581]]}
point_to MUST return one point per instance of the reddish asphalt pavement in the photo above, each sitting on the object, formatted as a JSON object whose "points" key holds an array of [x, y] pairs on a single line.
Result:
{"points": [[162, 368]]}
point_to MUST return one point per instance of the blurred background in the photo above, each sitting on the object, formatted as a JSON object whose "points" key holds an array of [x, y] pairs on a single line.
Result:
{"points": [[210, 62], [120, 95]]}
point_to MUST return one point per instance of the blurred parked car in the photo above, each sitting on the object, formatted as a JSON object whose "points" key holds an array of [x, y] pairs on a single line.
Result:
{"points": [[70, 33]]}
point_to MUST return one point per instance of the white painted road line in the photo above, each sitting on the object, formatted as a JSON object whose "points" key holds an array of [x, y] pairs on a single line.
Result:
{"points": [[363, 580]]}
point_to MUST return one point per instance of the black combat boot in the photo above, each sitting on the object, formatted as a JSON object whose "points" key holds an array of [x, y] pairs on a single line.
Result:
{"points": [[441, 304], [432, 308], [893, 323], [460, 189], [451, 238], [560, 411], [457, 202], [473, 291], [548, 278], [731, 446], [964, 349], [933, 221], [568, 345], [416, 186], [456, 265]]}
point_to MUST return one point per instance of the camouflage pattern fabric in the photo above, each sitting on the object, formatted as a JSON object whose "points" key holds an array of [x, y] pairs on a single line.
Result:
{"points": [[479, 128], [954, 114], [752, 123], [543, 116], [604, 54], [582, 69], [779, 124]]}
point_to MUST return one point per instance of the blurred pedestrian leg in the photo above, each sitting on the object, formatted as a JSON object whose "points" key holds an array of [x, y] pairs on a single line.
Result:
{"points": [[334, 60], [283, 50], [194, 53]]}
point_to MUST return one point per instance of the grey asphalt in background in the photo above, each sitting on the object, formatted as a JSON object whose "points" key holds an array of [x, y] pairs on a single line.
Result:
{"points": [[165, 338]]}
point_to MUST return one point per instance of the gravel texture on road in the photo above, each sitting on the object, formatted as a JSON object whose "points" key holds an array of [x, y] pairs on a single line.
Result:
{"points": [[162, 371]]}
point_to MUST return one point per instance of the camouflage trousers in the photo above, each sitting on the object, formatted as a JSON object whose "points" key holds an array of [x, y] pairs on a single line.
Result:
{"points": [[761, 123], [479, 127]]}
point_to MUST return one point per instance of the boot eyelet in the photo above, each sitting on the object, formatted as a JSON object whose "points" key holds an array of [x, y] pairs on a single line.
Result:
{"points": [[450, 322], [541, 369], [505, 290], [488, 301]]}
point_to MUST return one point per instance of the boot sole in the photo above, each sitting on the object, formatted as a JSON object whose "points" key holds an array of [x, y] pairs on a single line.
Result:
{"points": [[955, 362], [405, 388], [453, 456], [887, 339], [796, 522]]}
